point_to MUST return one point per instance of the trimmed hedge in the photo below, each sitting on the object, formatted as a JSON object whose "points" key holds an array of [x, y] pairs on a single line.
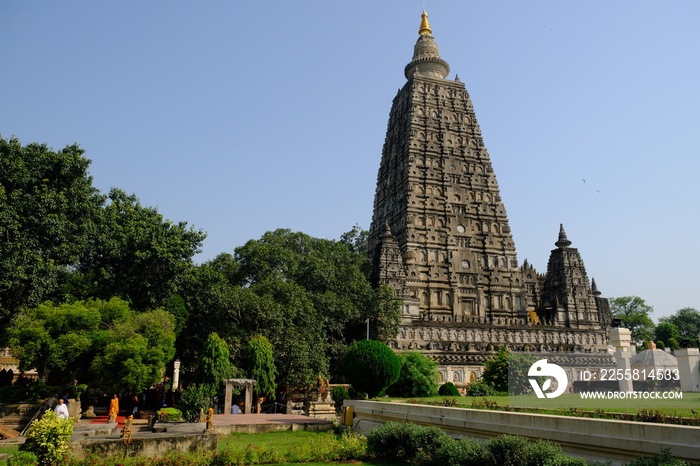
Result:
{"points": [[430, 446], [370, 366], [448, 389]]}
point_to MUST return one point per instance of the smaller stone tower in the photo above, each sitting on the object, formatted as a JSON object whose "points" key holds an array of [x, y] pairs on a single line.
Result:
{"points": [[567, 296]]}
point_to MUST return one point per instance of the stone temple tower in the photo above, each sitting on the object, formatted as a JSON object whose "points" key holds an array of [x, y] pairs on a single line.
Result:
{"points": [[440, 237]]}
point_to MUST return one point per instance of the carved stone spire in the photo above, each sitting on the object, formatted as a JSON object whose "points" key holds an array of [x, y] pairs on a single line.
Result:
{"points": [[563, 241], [426, 54], [594, 288]]}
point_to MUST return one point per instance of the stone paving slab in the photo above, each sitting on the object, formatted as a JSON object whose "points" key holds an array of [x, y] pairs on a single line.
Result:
{"points": [[253, 419]]}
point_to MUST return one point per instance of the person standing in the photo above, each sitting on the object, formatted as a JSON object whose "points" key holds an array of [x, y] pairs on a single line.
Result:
{"points": [[61, 410]]}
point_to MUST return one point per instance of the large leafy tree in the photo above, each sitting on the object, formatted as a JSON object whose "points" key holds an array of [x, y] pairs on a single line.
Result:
{"points": [[60, 239], [94, 340], [508, 372], [135, 352], [634, 312], [666, 331], [305, 295], [136, 254], [214, 365], [48, 209], [418, 377], [687, 320], [56, 339], [261, 364]]}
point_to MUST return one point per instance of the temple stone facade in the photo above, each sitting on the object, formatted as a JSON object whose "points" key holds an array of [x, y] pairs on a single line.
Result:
{"points": [[440, 238]]}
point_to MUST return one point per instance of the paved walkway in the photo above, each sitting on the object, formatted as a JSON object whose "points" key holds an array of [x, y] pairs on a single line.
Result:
{"points": [[257, 419]]}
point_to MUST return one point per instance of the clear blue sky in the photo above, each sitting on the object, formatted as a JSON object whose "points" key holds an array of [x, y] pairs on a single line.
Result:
{"points": [[244, 117]]}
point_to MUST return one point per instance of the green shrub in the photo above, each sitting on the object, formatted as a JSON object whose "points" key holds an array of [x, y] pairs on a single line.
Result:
{"points": [[542, 452], [48, 438], [448, 389], [418, 377], [508, 450], [22, 458], [464, 452], [195, 399], [340, 394], [406, 441], [171, 414], [371, 366], [479, 388], [77, 390], [662, 458]]}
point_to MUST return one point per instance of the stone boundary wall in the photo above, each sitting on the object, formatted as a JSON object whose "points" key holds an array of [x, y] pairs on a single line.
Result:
{"points": [[146, 446], [601, 439]]}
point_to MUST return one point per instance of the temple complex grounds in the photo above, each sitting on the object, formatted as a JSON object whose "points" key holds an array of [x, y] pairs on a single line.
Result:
{"points": [[315, 446]]}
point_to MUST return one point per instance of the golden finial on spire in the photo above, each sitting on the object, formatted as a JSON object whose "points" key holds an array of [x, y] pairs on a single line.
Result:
{"points": [[424, 25]]}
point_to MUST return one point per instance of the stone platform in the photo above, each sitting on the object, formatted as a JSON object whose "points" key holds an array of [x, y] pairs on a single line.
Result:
{"points": [[259, 423]]}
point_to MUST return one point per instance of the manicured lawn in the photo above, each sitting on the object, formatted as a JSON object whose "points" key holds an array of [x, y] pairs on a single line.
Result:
{"points": [[281, 442], [286, 441], [569, 403], [8, 449]]}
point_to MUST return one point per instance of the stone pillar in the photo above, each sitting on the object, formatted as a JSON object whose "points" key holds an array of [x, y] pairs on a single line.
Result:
{"points": [[621, 338], [176, 374], [689, 368], [248, 406], [227, 398]]}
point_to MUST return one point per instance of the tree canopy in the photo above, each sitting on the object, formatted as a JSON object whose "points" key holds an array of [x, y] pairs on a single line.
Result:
{"points": [[62, 240], [94, 340], [307, 296], [634, 312], [666, 331], [418, 376], [262, 365], [48, 209], [214, 365], [687, 321], [98, 286], [135, 254]]}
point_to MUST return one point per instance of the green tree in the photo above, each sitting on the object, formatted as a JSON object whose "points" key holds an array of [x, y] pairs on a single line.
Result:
{"points": [[418, 376], [135, 254], [262, 366], [215, 364], [309, 297], [48, 208], [507, 372], [687, 320], [634, 312], [357, 240], [135, 351], [371, 366], [665, 331], [94, 339], [61, 338]]}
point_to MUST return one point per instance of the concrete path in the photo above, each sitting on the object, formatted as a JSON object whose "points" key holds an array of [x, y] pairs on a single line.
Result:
{"points": [[258, 423], [246, 419]]}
